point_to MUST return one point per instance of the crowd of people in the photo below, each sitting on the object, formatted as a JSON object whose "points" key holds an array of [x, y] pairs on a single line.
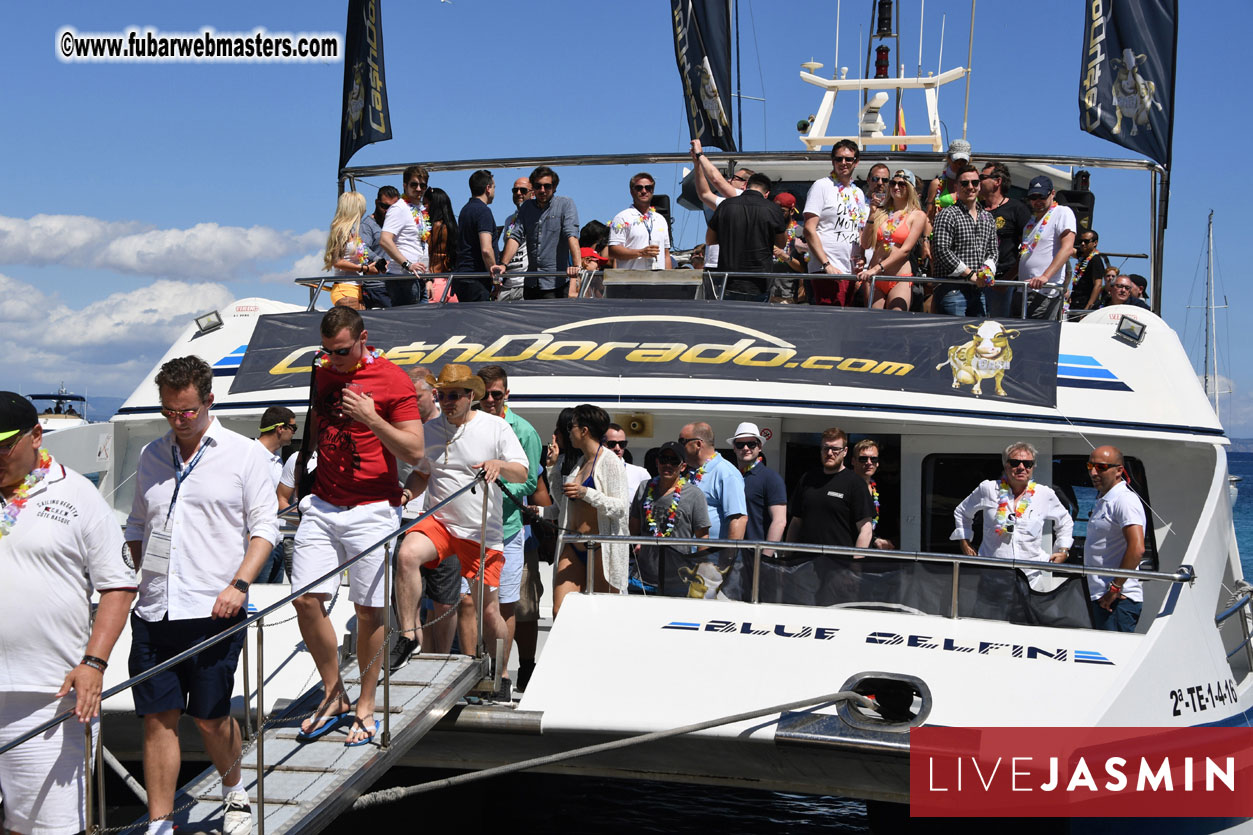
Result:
{"points": [[204, 525], [849, 244]]}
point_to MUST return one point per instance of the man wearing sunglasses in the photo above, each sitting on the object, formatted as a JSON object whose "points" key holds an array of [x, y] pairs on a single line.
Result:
{"points": [[639, 238], [278, 426], [1014, 509], [510, 288], [965, 247], [616, 440], [365, 417], [403, 237], [549, 226], [835, 214], [1047, 244], [56, 548], [1011, 215], [765, 495], [1115, 539], [203, 522]]}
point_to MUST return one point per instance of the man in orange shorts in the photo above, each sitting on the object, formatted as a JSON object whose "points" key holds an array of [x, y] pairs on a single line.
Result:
{"points": [[461, 442]]}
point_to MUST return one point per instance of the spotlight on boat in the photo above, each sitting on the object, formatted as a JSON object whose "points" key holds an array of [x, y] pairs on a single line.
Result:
{"points": [[1130, 331], [208, 323]]}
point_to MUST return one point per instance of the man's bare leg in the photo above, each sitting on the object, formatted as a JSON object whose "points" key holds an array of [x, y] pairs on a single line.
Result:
{"points": [[162, 759], [415, 550], [222, 743], [370, 660], [438, 633], [510, 624], [319, 638], [468, 625]]}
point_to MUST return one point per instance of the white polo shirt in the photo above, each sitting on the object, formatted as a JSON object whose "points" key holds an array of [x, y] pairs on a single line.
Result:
{"points": [[224, 500], [65, 544], [1106, 544], [276, 462]]}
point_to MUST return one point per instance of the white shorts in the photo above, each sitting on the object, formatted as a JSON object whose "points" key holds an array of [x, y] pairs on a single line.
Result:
{"points": [[511, 573], [41, 780], [330, 535]]}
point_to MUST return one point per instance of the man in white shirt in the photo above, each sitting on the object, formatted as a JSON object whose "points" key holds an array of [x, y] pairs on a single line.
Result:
{"points": [[203, 522], [1115, 539], [404, 239], [616, 439], [460, 443], [639, 238], [1048, 241], [835, 213], [57, 547], [278, 425]]}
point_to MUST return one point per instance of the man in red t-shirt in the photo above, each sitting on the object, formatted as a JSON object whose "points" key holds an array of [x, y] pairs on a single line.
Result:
{"points": [[365, 416]]}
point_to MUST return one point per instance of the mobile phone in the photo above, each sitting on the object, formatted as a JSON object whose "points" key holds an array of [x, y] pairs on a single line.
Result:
{"points": [[381, 265]]}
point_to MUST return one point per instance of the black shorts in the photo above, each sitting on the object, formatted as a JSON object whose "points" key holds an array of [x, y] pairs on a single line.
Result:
{"points": [[202, 685], [442, 584]]}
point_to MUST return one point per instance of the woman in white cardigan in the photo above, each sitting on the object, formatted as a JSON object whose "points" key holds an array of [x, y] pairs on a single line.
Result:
{"points": [[593, 500]]}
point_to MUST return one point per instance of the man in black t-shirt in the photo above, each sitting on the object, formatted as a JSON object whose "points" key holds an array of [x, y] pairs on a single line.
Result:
{"points": [[476, 239], [1011, 217], [831, 506], [1089, 274], [746, 229]]}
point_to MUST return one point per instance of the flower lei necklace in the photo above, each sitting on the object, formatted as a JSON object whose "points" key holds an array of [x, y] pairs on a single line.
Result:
{"points": [[324, 360], [874, 494], [1083, 265], [695, 477], [1004, 497], [1027, 247], [14, 506], [888, 229], [649, 495], [423, 220], [361, 251]]}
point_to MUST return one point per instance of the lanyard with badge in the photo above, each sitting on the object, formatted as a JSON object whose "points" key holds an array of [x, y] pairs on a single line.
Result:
{"points": [[157, 554]]}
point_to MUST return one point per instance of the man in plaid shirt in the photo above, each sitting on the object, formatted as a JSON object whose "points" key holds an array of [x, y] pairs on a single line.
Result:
{"points": [[964, 247]]}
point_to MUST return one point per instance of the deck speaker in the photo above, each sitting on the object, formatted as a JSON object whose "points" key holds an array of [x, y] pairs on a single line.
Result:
{"points": [[635, 425], [1082, 203]]}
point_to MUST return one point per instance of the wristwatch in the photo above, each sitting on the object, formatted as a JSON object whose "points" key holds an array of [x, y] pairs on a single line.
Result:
{"points": [[242, 585], [404, 265]]}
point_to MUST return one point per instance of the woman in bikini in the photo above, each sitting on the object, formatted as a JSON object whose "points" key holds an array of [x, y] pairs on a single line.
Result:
{"points": [[892, 233], [593, 500]]}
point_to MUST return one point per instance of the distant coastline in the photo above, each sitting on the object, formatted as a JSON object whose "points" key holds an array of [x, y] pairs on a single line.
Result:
{"points": [[1241, 445]]}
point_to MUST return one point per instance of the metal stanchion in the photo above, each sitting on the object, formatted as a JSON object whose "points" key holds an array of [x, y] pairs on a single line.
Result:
{"points": [[260, 726], [481, 645], [89, 814], [383, 653], [756, 573], [101, 806], [247, 690], [952, 612]]}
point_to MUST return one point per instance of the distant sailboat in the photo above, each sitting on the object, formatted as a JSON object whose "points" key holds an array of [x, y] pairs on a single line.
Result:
{"points": [[1210, 361]]}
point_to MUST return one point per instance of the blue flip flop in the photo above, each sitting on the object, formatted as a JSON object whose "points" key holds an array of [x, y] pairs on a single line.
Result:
{"points": [[328, 724], [364, 740]]}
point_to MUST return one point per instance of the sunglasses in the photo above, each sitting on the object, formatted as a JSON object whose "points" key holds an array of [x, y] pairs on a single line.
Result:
{"points": [[641, 187], [668, 462], [493, 395], [989, 176], [745, 444], [968, 183], [521, 191], [9, 446], [686, 441], [1126, 288], [417, 184], [1015, 463], [868, 459], [615, 444], [340, 352], [289, 426], [1099, 466], [452, 394], [543, 186], [845, 160], [879, 179], [899, 183], [832, 450], [185, 414], [738, 178]]}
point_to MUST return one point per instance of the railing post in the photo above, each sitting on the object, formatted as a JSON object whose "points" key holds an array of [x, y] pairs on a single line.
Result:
{"points": [[481, 645], [101, 806], [1244, 627], [384, 654], [89, 813], [260, 725], [756, 573], [247, 732], [590, 586], [870, 294], [952, 612]]}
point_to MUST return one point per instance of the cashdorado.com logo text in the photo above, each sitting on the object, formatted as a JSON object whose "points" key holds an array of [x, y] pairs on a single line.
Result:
{"points": [[1081, 772]]}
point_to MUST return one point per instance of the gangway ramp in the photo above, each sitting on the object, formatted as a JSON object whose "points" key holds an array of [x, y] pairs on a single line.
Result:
{"points": [[307, 785]]}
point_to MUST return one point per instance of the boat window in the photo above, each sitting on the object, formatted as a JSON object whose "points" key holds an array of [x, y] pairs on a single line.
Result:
{"points": [[949, 478]]}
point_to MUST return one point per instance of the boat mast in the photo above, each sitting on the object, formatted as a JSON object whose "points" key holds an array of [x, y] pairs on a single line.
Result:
{"points": [[1211, 329]]}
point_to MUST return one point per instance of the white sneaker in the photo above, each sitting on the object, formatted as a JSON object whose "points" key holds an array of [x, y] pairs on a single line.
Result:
{"points": [[238, 814]]}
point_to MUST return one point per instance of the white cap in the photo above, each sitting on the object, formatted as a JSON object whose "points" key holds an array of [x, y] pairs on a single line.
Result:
{"points": [[747, 429]]}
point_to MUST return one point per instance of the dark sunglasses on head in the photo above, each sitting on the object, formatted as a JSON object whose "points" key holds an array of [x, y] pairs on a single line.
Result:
{"points": [[642, 187], [868, 459], [493, 395], [745, 444], [616, 444], [1015, 463]]}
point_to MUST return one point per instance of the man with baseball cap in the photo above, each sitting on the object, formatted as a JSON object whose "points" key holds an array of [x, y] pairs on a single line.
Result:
{"points": [[59, 542], [666, 506], [765, 496], [1048, 240], [460, 444]]}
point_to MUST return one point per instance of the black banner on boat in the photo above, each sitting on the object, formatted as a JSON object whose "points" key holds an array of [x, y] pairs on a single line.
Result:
{"points": [[732, 341], [1127, 74], [366, 119], [702, 46]]}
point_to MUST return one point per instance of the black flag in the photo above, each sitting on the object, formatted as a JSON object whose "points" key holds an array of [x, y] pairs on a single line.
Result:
{"points": [[365, 117], [1127, 75], [702, 46]]}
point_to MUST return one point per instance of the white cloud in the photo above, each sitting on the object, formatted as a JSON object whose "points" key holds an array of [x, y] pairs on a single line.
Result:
{"points": [[205, 250], [303, 267]]}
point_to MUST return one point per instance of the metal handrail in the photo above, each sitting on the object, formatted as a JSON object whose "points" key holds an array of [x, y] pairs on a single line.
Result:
{"points": [[244, 624], [1240, 604]]}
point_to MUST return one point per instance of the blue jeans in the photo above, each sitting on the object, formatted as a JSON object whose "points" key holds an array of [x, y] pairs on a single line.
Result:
{"points": [[1122, 617], [958, 301], [1002, 303], [406, 292]]}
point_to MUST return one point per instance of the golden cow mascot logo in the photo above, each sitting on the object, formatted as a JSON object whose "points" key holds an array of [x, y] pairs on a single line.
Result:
{"points": [[986, 355]]}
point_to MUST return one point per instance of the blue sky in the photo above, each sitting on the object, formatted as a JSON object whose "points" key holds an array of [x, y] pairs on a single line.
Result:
{"points": [[134, 196]]}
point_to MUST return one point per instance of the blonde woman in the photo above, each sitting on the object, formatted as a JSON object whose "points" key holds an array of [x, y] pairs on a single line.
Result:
{"points": [[892, 232], [345, 253]]}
